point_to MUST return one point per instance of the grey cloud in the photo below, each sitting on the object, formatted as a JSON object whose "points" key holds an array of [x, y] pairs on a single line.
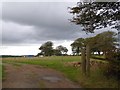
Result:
{"points": [[38, 14], [35, 22], [50, 22]]}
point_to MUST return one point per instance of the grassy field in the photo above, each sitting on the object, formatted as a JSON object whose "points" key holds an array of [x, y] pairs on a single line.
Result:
{"points": [[64, 65]]}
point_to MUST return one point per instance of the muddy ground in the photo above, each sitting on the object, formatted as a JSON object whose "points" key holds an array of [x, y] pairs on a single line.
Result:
{"points": [[34, 76]]}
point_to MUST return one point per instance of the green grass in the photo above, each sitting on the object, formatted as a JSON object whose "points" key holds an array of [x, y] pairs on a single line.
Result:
{"points": [[1, 69], [96, 80], [3, 72], [0, 72]]}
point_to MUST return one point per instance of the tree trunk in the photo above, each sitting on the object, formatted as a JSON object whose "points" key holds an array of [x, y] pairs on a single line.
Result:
{"points": [[78, 51], [88, 60], [83, 60]]}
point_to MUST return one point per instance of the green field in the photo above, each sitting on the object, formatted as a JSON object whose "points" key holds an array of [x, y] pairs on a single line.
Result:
{"points": [[64, 65]]}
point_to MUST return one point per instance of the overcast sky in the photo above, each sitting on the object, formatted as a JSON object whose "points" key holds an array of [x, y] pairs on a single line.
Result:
{"points": [[27, 25]]}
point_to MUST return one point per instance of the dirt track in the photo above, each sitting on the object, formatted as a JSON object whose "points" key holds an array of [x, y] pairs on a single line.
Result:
{"points": [[34, 76]]}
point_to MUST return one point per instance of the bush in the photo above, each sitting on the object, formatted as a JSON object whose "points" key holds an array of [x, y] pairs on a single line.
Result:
{"points": [[113, 67]]}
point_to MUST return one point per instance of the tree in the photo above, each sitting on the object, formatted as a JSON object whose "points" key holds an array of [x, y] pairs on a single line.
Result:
{"points": [[65, 50], [46, 48], [96, 15], [61, 49], [57, 52]]}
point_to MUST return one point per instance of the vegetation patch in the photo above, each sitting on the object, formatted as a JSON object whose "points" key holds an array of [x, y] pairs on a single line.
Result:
{"points": [[3, 73]]}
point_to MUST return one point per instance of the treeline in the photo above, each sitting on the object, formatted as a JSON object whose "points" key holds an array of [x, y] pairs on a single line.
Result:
{"points": [[7, 56], [105, 42]]}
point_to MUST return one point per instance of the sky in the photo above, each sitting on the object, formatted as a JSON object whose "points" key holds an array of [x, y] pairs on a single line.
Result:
{"points": [[25, 26]]}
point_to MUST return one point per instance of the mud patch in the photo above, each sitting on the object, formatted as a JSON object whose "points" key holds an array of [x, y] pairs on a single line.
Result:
{"points": [[52, 79]]}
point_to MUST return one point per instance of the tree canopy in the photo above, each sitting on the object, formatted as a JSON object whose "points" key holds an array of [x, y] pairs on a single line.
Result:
{"points": [[103, 42], [62, 49], [95, 15], [46, 48]]}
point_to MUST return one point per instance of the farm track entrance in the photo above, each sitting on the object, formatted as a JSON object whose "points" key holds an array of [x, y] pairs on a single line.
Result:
{"points": [[34, 76]]}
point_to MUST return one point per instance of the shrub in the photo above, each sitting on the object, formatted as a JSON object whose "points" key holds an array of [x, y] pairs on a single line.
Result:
{"points": [[113, 67]]}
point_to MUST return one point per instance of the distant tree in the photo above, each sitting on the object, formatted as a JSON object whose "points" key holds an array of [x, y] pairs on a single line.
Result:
{"points": [[46, 48], [65, 50], [57, 52], [61, 49]]}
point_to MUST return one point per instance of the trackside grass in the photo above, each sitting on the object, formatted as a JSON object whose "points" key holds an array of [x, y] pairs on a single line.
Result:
{"points": [[60, 63], [0, 75], [0, 72]]}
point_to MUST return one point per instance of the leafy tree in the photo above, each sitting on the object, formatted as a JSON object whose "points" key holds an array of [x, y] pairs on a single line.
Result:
{"points": [[57, 52], [61, 49], [65, 50], [46, 48], [96, 15]]}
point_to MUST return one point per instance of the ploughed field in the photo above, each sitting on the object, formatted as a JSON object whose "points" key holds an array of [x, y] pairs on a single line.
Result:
{"points": [[44, 72]]}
